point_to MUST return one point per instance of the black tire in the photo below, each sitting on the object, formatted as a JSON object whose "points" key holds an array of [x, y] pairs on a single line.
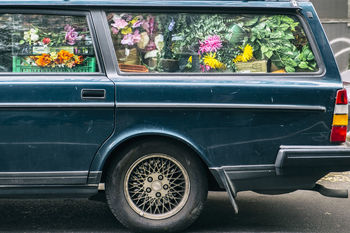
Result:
{"points": [[138, 157]]}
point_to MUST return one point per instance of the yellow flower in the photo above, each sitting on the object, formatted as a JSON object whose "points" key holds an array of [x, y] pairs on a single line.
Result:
{"points": [[211, 61], [134, 20], [246, 55], [189, 59], [238, 58], [126, 30]]}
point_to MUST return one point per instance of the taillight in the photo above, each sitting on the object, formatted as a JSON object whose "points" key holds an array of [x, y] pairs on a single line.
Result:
{"points": [[340, 117]]}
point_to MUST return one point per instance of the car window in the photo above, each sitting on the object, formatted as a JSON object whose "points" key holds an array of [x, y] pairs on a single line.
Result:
{"points": [[207, 43], [45, 43]]}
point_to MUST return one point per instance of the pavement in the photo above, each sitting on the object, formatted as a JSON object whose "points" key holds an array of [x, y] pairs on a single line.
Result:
{"points": [[300, 211]]}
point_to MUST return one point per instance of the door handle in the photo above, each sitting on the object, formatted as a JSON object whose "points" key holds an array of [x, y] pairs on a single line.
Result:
{"points": [[93, 93]]}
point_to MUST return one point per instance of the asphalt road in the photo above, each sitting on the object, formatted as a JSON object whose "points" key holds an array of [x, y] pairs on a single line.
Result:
{"points": [[301, 211]]}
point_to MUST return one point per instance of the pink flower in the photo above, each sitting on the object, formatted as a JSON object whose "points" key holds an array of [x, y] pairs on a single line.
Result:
{"points": [[115, 31], [149, 25], [131, 39], [119, 23], [145, 26], [138, 24], [128, 40], [204, 68], [136, 37], [211, 44]]}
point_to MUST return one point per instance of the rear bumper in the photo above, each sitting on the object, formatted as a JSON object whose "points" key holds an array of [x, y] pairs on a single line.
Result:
{"points": [[296, 167], [296, 159]]}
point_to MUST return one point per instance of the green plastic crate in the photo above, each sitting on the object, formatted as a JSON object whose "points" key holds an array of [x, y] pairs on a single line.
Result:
{"points": [[89, 65]]}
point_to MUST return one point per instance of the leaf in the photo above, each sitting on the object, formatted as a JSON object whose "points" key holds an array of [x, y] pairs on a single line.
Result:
{"points": [[21, 42], [310, 57], [284, 26], [289, 36], [291, 62], [264, 49], [260, 26], [289, 69], [269, 54], [277, 35], [251, 22], [303, 65]]}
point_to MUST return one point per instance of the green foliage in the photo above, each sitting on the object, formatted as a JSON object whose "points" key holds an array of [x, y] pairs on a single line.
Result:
{"points": [[272, 38]]}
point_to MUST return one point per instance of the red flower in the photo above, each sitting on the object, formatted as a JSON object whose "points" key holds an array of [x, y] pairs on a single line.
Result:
{"points": [[46, 40]]}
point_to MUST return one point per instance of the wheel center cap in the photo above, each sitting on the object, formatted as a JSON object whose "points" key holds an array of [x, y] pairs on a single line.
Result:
{"points": [[157, 185]]}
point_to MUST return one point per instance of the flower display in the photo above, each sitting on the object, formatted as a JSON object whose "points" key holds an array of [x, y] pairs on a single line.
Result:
{"points": [[61, 59], [246, 56], [211, 44]]}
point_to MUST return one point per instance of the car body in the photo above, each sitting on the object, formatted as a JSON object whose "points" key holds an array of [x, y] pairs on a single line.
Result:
{"points": [[64, 133]]}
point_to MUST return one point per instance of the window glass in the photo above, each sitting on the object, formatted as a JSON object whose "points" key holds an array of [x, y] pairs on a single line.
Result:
{"points": [[45, 43], [210, 43]]}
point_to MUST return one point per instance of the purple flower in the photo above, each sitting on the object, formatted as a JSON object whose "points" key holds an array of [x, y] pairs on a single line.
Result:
{"points": [[171, 25], [151, 46], [68, 28], [71, 35]]}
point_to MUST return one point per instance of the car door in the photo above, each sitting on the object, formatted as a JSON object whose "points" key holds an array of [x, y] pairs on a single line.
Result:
{"points": [[56, 103]]}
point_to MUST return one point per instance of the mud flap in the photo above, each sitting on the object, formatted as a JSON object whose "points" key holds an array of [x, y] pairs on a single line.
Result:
{"points": [[230, 188]]}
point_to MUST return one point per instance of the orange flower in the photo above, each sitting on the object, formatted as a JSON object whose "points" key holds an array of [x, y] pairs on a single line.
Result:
{"points": [[64, 55], [78, 59], [43, 60]]}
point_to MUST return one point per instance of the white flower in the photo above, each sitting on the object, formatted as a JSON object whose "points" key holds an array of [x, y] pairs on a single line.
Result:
{"points": [[159, 41], [34, 37], [127, 52], [152, 53]]}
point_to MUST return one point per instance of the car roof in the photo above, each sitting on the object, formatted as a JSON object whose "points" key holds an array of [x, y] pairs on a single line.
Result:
{"points": [[154, 3]]}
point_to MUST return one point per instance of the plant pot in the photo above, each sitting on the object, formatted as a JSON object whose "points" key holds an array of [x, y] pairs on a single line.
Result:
{"points": [[133, 68], [169, 65], [132, 58], [252, 67], [151, 62]]}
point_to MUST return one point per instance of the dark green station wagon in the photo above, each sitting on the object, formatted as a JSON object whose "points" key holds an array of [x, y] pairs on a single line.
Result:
{"points": [[162, 101]]}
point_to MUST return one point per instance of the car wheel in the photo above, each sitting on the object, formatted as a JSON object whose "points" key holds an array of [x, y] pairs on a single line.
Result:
{"points": [[156, 186]]}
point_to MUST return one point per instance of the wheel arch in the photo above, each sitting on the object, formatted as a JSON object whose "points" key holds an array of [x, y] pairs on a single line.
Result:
{"points": [[116, 145]]}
